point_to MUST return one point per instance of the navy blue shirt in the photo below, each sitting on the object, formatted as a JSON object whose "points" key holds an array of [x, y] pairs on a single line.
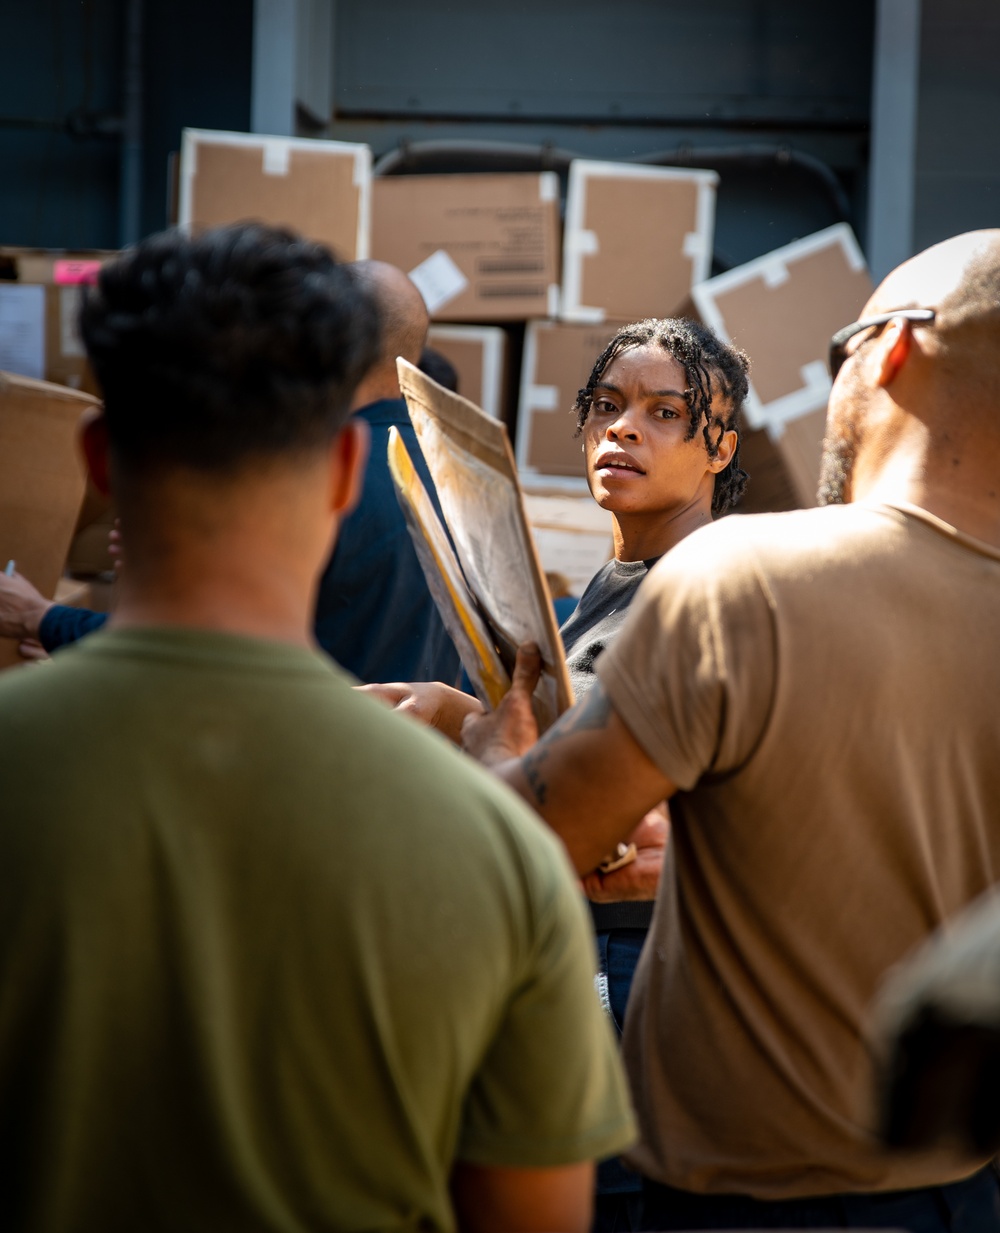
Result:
{"points": [[62, 625], [374, 613]]}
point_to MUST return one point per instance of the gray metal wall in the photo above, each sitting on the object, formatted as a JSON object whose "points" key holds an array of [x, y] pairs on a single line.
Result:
{"points": [[957, 174], [605, 80], [61, 71], [622, 80], [61, 80]]}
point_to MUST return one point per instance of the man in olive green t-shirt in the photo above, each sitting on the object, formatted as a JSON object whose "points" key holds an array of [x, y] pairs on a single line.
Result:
{"points": [[817, 693], [270, 959]]}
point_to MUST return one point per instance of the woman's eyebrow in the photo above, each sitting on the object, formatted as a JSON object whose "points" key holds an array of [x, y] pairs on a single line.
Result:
{"points": [[643, 393]]}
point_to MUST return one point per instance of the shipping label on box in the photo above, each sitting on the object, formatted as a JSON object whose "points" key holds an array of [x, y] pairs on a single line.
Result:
{"points": [[479, 247], [636, 241], [478, 354], [558, 360], [40, 292], [782, 309], [22, 330], [319, 188]]}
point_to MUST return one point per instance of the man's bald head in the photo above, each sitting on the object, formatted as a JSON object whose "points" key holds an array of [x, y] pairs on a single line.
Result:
{"points": [[931, 389], [960, 279], [401, 308]]}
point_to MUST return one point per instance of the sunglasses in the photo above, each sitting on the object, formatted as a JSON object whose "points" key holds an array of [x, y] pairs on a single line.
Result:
{"points": [[838, 353]]}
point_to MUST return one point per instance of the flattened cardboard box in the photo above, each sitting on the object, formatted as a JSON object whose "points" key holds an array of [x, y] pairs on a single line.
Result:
{"points": [[479, 247], [478, 354], [782, 309], [41, 480], [320, 188], [39, 305], [636, 241], [558, 360]]}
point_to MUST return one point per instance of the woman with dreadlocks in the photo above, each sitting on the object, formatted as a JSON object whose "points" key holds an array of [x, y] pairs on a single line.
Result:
{"points": [[659, 418], [660, 424]]}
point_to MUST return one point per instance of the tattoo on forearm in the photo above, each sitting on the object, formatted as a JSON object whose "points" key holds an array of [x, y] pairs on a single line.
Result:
{"points": [[591, 714], [531, 765]]}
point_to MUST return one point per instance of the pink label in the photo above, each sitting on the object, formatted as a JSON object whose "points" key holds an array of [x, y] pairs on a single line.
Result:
{"points": [[73, 272]]}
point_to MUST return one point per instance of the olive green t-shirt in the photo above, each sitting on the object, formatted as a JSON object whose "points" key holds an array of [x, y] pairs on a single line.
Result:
{"points": [[272, 958], [822, 686]]}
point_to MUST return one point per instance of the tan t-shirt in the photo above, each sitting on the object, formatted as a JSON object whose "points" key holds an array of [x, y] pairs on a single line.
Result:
{"points": [[823, 688]]}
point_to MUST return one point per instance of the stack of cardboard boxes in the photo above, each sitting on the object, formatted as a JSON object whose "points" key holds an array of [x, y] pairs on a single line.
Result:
{"points": [[521, 305], [46, 385], [637, 242]]}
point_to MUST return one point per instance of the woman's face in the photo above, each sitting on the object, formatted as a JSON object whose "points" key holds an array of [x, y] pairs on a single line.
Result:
{"points": [[638, 458]]}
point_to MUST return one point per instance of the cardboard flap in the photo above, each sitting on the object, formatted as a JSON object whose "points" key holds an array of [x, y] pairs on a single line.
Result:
{"points": [[472, 465], [41, 480], [445, 580]]}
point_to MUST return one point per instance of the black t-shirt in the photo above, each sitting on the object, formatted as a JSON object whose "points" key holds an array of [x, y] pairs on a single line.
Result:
{"points": [[599, 616]]}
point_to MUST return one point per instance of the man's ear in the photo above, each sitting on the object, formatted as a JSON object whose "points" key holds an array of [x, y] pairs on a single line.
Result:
{"points": [[348, 462], [896, 344], [96, 449]]}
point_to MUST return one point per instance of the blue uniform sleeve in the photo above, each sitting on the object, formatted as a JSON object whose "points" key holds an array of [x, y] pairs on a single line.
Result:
{"points": [[62, 625]]}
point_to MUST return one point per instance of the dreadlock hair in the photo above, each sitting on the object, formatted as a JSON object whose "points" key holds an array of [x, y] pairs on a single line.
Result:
{"points": [[711, 367]]}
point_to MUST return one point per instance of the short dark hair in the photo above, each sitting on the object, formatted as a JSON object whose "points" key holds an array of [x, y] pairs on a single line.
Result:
{"points": [[439, 368], [243, 342], [711, 367]]}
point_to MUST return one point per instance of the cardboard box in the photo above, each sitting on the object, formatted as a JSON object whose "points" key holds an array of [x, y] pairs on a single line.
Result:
{"points": [[558, 360], [573, 535], [636, 241], [782, 309], [479, 355], [39, 303], [41, 480], [479, 247], [800, 445], [320, 188], [771, 488]]}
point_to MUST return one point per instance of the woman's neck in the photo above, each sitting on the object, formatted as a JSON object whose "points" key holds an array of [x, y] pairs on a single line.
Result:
{"points": [[640, 537]]}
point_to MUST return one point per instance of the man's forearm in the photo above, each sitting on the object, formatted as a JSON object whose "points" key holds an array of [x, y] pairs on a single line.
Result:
{"points": [[588, 777]]}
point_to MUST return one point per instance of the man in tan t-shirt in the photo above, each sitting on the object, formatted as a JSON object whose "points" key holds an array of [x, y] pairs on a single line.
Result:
{"points": [[817, 692]]}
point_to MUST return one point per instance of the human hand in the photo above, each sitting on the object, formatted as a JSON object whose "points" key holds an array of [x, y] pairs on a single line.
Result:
{"points": [[640, 878], [430, 702], [511, 729], [21, 607], [31, 650]]}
